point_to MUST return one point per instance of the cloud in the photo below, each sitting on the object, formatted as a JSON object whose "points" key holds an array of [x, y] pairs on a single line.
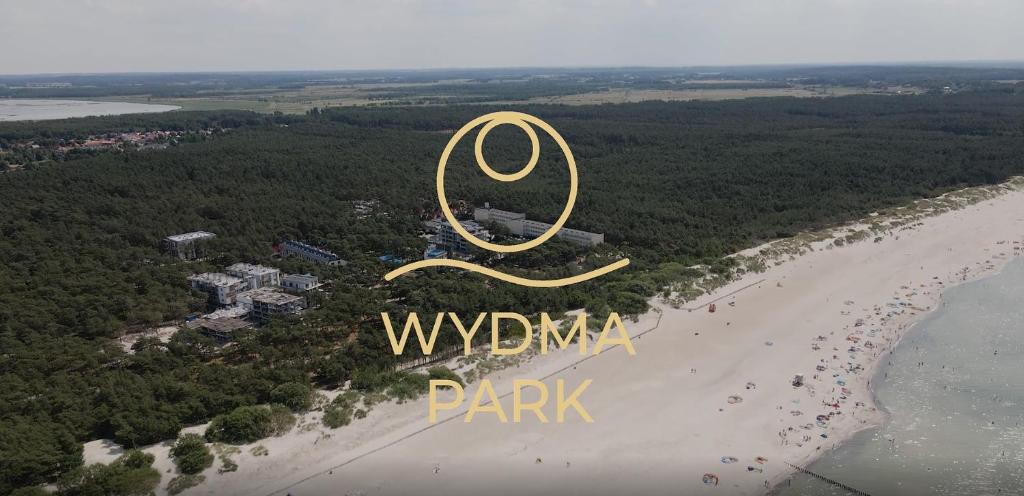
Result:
{"points": [[207, 35]]}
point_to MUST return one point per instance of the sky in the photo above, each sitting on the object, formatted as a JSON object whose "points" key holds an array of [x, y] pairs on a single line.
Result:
{"points": [[64, 36]]}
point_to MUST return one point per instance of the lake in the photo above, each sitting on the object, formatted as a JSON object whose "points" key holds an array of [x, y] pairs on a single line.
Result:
{"points": [[24, 109]]}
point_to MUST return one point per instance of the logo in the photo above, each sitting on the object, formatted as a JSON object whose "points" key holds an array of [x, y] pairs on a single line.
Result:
{"points": [[526, 123]]}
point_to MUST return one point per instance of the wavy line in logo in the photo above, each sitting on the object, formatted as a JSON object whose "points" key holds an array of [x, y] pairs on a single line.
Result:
{"points": [[522, 121]]}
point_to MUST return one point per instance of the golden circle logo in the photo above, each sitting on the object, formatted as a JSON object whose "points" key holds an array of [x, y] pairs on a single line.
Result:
{"points": [[526, 123]]}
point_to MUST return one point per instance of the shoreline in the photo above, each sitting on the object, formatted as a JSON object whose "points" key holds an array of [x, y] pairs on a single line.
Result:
{"points": [[649, 409], [882, 414]]}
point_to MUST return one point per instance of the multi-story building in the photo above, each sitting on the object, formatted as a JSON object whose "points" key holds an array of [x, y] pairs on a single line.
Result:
{"points": [[511, 220], [244, 298], [300, 282], [236, 311], [309, 252], [224, 328], [532, 229], [518, 224], [222, 288], [267, 304], [187, 246], [255, 276], [450, 240]]}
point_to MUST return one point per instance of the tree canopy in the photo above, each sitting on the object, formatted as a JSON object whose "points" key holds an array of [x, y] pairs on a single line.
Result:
{"points": [[669, 184]]}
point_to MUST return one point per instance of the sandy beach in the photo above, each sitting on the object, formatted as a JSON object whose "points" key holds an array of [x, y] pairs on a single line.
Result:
{"points": [[663, 418]]}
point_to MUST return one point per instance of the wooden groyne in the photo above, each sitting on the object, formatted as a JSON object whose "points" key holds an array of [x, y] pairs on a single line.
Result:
{"points": [[828, 480]]}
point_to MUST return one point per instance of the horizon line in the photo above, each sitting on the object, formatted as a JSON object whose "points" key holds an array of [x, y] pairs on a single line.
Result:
{"points": [[926, 63]]}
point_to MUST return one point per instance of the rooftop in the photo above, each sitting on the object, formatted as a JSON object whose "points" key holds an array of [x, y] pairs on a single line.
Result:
{"points": [[192, 236], [470, 225], [224, 325], [215, 279], [487, 210], [300, 277], [251, 269], [275, 298], [252, 293], [227, 312], [300, 244]]}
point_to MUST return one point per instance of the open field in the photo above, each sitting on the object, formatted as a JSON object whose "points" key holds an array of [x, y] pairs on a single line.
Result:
{"points": [[297, 101], [632, 96], [291, 102]]}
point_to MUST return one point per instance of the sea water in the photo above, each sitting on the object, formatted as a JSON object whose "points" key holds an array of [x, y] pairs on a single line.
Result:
{"points": [[954, 396]]}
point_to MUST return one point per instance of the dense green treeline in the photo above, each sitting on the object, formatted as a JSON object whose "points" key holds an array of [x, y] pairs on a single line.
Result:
{"points": [[670, 184], [665, 178]]}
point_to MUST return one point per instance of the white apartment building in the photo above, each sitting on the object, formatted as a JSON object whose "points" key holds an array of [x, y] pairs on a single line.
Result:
{"points": [[449, 239], [187, 246], [300, 282], [265, 303], [518, 224], [222, 288], [255, 276]]}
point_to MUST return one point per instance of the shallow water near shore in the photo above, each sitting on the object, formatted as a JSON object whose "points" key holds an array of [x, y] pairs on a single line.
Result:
{"points": [[954, 393]]}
